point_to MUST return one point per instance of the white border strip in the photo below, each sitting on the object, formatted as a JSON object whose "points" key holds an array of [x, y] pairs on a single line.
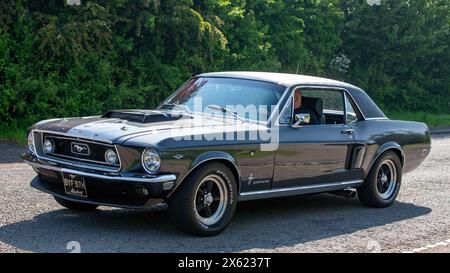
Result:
{"points": [[436, 245]]}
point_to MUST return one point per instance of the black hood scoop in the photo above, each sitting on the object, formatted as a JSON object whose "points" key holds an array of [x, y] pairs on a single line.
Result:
{"points": [[143, 116]]}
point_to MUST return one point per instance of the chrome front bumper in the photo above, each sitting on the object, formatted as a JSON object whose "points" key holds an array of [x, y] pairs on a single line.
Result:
{"points": [[114, 189], [49, 165]]}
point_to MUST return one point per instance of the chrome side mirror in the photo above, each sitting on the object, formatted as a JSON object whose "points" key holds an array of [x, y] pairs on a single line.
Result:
{"points": [[301, 119]]}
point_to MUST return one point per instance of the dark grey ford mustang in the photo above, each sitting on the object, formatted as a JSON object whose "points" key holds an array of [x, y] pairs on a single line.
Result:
{"points": [[228, 137]]}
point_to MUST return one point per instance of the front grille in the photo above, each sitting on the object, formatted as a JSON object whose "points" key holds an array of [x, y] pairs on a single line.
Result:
{"points": [[76, 149]]}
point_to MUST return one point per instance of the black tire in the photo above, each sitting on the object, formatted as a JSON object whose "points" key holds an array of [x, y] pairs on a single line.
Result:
{"points": [[192, 218], [75, 205], [380, 190]]}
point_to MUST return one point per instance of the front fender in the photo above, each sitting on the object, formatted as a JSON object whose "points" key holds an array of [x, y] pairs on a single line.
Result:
{"points": [[207, 157], [212, 155]]}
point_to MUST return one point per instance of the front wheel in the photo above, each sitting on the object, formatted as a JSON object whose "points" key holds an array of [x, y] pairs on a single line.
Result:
{"points": [[382, 185], [206, 201], [75, 205]]}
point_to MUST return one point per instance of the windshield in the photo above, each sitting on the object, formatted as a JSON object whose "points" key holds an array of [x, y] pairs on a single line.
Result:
{"points": [[246, 99]]}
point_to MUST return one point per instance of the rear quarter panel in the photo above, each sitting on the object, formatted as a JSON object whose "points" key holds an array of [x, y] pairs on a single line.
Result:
{"points": [[411, 138]]}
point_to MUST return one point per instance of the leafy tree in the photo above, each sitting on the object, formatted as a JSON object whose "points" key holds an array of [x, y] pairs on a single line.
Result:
{"points": [[397, 51], [60, 60]]}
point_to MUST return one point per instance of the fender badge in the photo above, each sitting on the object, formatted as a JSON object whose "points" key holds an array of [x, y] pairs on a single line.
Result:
{"points": [[251, 178], [253, 181]]}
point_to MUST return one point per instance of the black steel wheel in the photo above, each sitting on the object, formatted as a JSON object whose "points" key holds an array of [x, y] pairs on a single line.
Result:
{"points": [[382, 184], [211, 199], [386, 179], [206, 201]]}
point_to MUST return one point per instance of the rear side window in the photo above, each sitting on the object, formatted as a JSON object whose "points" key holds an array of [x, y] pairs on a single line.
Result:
{"points": [[366, 104]]}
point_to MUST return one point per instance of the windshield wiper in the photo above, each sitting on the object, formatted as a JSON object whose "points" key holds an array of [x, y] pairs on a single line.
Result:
{"points": [[179, 106], [224, 109]]}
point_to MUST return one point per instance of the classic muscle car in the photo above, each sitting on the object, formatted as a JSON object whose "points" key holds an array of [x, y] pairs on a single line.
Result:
{"points": [[201, 153]]}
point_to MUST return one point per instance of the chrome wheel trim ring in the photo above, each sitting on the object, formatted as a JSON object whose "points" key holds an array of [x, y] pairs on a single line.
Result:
{"points": [[387, 176], [221, 194]]}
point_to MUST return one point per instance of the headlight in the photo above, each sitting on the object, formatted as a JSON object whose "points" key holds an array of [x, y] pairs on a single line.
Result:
{"points": [[30, 141], [48, 146], [151, 160], [111, 156]]}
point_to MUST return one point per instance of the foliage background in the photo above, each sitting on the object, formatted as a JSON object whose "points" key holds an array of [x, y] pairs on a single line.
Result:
{"points": [[60, 60]]}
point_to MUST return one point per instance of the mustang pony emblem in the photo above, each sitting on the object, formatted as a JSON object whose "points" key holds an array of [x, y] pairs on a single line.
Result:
{"points": [[251, 178], [78, 148]]}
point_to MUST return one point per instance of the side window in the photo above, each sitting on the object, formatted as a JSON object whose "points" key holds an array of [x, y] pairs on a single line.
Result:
{"points": [[328, 105], [286, 116], [332, 100], [350, 114]]}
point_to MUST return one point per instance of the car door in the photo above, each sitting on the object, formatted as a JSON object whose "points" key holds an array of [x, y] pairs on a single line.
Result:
{"points": [[316, 154]]}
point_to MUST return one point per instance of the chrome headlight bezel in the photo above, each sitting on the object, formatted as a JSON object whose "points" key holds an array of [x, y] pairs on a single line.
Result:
{"points": [[151, 156], [44, 146], [30, 143], [116, 155]]}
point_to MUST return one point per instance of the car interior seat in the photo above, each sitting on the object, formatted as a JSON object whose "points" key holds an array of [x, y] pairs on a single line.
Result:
{"points": [[315, 105]]}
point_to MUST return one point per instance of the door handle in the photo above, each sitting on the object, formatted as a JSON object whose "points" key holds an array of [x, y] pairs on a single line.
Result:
{"points": [[348, 131]]}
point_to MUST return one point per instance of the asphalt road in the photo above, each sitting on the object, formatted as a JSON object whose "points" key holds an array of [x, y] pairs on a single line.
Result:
{"points": [[31, 221]]}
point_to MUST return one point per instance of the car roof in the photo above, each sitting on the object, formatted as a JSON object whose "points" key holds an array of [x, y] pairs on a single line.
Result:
{"points": [[367, 106], [278, 78]]}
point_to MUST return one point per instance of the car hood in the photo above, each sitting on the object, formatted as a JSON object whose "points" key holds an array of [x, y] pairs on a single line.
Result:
{"points": [[119, 130]]}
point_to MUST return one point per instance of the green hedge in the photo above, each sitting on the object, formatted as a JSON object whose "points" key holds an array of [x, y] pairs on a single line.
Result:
{"points": [[59, 60]]}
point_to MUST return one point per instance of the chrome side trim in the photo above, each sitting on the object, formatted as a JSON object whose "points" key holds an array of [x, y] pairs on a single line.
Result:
{"points": [[156, 179], [303, 187], [296, 190], [377, 119]]}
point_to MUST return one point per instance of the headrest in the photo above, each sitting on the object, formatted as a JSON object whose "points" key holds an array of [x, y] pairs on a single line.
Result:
{"points": [[314, 104]]}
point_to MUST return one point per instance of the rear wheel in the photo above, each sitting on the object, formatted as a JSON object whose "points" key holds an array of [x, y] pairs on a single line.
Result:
{"points": [[382, 185], [206, 201], [75, 205]]}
